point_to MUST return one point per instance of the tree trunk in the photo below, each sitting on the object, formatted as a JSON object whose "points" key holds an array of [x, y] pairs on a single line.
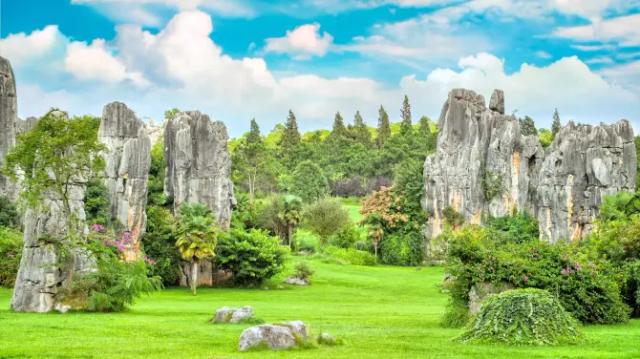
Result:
{"points": [[292, 243], [194, 276]]}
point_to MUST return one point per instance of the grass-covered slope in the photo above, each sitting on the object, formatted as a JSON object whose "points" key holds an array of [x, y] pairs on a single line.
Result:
{"points": [[380, 312]]}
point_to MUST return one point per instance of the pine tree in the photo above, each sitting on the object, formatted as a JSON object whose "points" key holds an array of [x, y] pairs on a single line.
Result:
{"points": [[384, 128], [528, 126], [360, 131], [339, 130], [405, 126], [254, 133], [555, 126], [291, 136]]}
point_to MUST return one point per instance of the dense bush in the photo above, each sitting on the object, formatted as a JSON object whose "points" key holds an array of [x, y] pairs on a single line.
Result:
{"points": [[347, 237], [325, 218], [523, 316], [403, 249], [8, 213], [585, 288], [159, 244], [518, 228], [349, 256], [96, 203], [282, 215], [348, 187], [251, 257], [245, 213], [116, 283], [10, 252]]}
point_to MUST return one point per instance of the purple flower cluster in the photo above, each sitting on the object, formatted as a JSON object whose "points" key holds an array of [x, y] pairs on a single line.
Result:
{"points": [[149, 260], [120, 244], [568, 270], [98, 228]]}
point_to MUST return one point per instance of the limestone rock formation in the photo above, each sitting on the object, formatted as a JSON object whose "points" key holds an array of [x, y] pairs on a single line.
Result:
{"points": [[273, 336], [8, 117], [154, 130], [233, 315], [23, 126], [199, 164], [128, 159], [484, 166]]}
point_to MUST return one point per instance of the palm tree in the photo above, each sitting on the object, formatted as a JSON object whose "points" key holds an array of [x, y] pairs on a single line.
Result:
{"points": [[196, 233], [290, 215]]}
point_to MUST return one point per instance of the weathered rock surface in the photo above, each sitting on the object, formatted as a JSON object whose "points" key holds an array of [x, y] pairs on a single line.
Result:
{"points": [[485, 166], [154, 130], [23, 126], [128, 159], [273, 336], [199, 164], [233, 315], [43, 272], [8, 117], [296, 281]]}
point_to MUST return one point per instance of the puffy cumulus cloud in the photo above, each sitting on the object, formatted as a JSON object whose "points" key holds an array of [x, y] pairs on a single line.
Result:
{"points": [[302, 42], [94, 62], [567, 84], [23, 47], [184, 68], [623, 30]]}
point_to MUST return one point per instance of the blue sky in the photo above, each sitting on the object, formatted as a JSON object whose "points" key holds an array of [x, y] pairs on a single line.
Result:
{"points": [[241, 59]]}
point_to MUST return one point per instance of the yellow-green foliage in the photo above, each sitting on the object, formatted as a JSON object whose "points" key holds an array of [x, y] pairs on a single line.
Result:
{"points": [[523, 317]]}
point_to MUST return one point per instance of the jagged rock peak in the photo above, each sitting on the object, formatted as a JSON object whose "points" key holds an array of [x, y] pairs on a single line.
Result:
{"points": [[199, 164], [8, 117], [484, 166], [128, 160], [497, 101]]}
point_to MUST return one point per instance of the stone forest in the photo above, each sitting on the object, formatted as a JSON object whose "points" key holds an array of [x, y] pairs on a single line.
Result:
{"points": [[477, 235]]}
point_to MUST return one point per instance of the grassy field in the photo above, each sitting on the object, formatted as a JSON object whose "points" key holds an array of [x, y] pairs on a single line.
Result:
{"points": [[380, 312]]}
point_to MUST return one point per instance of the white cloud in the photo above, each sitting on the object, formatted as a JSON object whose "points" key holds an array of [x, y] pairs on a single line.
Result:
{"points": [[627, 75], [186, 69], [623, 30], [22, 47], [302, 42], [567, 84], [94, 62]]}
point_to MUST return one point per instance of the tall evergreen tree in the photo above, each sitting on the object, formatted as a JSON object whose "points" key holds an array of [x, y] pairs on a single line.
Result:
{"points": [[360, 131], [384, 128], [339, 130], [291, 136], [254, 133], [556, 125], [405, 111], [426, 136]]}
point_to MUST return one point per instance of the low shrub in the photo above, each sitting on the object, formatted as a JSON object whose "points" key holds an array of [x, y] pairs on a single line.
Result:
{"points": [[252, 256], [347, 237], [10, 252], [402, 249], [96, 203], [522, 317], [306, 241], [349, 256], [517, 228], [303, 271], [116, 283]]}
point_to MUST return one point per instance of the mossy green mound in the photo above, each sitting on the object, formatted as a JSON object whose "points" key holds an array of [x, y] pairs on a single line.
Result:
{"points": [[522, 317]]}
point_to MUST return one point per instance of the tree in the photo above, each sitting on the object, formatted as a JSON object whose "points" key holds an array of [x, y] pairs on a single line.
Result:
{"points": [[309, 182], [325, 218], [282, 215], [9, 216], [171, 114], [405, 111], [381, 212], [252, 159], [428, 137], [56, 155], [384, 128], [556, 125], [408, 187], [528, 126], [291, 136], [196, 237], [155, 184], [360, 131], [339, 130]]}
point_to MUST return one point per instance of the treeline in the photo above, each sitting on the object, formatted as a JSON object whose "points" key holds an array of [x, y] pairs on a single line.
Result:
{"points": [[350, 160]]}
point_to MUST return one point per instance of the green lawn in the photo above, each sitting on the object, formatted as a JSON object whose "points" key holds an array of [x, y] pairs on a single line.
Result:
{"points": [[381, 312]]}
